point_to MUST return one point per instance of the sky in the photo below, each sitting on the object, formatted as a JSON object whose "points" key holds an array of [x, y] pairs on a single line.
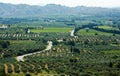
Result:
{"points": [[70, 3]]}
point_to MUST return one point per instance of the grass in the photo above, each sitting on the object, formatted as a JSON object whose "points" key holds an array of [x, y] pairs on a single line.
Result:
{"points": [[108, 27], [112, 52], [21, 44], [43, 73], [92, 32], [52, 30], [21, 41]]}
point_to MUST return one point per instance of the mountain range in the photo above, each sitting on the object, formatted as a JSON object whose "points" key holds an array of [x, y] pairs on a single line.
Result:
{"points": [[23, 10]]}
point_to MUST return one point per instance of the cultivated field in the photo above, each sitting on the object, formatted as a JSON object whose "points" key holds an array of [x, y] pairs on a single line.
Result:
{"points": [[91, 50], [108, 27], [52, 30], [92, 32]]}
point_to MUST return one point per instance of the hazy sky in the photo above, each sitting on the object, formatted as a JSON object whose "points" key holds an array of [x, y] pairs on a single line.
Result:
{"points": [[71, 3]]}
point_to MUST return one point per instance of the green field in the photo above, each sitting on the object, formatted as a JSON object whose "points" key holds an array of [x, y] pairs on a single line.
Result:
{"points": [[20, 44], [108, 27], [52, 30], [43, 73], [91, 32], [112, 52], [93, 51], [24, 44]]}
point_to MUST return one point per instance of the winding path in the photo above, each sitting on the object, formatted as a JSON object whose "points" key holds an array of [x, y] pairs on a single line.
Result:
{"points": [[21, 58], [72, 33], [49, 46]]}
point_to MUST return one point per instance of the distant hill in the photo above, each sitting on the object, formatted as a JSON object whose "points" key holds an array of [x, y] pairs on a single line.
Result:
{"points": [[22, 10]]}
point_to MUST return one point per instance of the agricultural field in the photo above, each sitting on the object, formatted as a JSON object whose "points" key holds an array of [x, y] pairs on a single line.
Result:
{"points": [[19, 47], [57, 40], [24, 44], [92, 32], [112, 52], [108, 27], [48, 30], [53, 51]]}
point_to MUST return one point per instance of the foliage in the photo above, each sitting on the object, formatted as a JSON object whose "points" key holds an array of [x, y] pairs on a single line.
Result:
{"points": [[91, 52]]}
